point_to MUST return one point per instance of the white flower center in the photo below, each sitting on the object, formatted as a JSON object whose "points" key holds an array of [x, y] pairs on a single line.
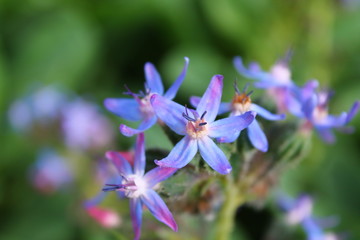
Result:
{"points": [[196, 130], [134, 186], [241, 104], [281, 73]]}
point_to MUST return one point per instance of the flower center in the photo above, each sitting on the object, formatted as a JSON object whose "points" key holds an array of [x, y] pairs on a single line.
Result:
{"points": [[281, 73], [133, 186], [145, 106], [196, 127], [241, 103], [320, 113]]}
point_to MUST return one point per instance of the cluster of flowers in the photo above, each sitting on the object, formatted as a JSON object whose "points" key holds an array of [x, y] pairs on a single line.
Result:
{"points": [[79, 122], [199, 126]]}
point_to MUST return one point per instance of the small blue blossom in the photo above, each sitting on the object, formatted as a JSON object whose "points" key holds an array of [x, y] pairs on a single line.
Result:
{"points": [[315, 112], [299, 211], [139, 108], [199, 128], [138, 187], [241, 104]]}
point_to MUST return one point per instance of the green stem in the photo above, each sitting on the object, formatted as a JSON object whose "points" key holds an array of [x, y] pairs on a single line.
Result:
{"points": [[226, 216]]}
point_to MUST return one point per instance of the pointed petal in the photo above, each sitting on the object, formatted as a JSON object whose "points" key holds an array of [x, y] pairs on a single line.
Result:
{"points": [[153, 79], [144, 125], [228, 129], [136, 216], [257, 136], [170, 113], [120, 163], [224, 107], [211, 99], [326, 134], [159, 209], [309, 106], [183, 152], [158, 174], [139, 163], [333, 121], [254, 71], [194, 101], [265, 113], [354, 109], [125, 108], [214, 156], [171, 92], [95, 200]]}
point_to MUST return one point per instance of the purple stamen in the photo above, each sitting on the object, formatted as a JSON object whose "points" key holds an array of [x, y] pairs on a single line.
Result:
{"points": [[249, 93], [188, 118], [203, 115], [236, 87], [202, 124]]}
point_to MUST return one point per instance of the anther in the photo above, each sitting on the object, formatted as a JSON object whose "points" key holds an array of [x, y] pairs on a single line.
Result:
{"points": [[245, 88], [202, 124], [236, 87], [203, 115]]}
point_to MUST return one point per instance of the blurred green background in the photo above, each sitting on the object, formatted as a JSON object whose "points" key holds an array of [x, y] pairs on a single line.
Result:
{"points": [[95, 47]]}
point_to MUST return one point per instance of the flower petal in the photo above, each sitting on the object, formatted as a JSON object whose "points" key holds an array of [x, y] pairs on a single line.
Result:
{"points": [[136, 216], [228, 129], [170, 113], [144, 125], [214, 156], [326, 134], [224, 107], [194, 101], [254, 71], [354, 109], [171, 92], [183, 152], [159, 209], [158, 174], [210, 101], [123, 107], [120, 163], [265, 113], [139, 163], [333, 121], [257, 136], [153, 79]]}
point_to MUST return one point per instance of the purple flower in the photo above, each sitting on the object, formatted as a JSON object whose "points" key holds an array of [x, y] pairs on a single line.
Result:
{"points": [[84, 127], [140, 107], [51, 172], [139, 186], [199, 127], [277, 82], [315, 111], [241, 104], [299, 211]]}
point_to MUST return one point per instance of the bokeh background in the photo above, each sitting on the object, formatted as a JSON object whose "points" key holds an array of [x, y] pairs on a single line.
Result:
{"points": [[92, 48]]}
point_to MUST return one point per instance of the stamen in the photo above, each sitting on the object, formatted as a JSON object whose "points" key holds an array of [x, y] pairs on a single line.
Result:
{"points": [[245, 88], [188, 118], [203, 115], [249, 93], [112, 188], [236, 87], [202, 124]]}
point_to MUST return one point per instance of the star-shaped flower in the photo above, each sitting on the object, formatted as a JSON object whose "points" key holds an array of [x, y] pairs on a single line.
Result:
{"points": [[138, 187], [139, 108], [241, 104], [199, 127], [315, 110]]}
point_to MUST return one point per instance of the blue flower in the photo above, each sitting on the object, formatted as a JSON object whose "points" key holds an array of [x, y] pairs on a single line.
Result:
{"points": [[199, 128], [241, 104], [138, 187], [315, 111], [299, 211], [277, 82], [140, 108]]}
